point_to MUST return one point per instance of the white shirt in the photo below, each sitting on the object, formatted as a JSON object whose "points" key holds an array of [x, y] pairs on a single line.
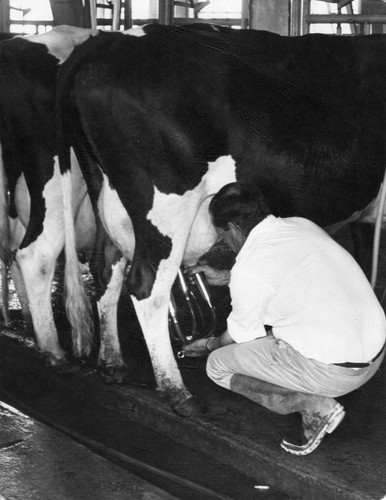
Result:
{"points": [[292, 275]]}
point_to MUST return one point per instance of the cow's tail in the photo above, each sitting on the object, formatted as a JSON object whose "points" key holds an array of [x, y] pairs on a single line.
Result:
{"points": [[77, 304], [78, 307], [5, 249], [4, 293]]}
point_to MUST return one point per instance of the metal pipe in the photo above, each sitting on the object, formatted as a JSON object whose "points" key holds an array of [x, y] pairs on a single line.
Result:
{"points": [[203, 288], [174, 320], [93, 14], [377, 232], [116, 14], [345, 18], [188, 298], [168, 13], [295, 18]]}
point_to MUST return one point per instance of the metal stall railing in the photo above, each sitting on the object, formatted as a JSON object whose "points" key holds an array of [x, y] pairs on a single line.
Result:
{"points": [[301, 18]]}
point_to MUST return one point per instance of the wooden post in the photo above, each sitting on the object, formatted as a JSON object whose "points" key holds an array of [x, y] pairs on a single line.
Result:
{"points": [[165, 11], [116, 21], [68, 12], [305, 10], [295, 18], [93, 14], [245, 6], [4, 16], [270, 15], [128, 15]]}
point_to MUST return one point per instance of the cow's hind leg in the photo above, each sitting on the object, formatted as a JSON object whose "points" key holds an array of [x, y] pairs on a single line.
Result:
{"points": [[21, 292], [17, 232], [112, 367], [153, 317], [37, 265]]}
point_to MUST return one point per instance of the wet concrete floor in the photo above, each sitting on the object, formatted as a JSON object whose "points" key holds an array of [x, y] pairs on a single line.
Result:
{"points": [[56, 405], [36, 462]]}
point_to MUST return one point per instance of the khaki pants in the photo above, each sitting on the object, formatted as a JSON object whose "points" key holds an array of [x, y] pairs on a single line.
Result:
{"points": [[276, 362]]}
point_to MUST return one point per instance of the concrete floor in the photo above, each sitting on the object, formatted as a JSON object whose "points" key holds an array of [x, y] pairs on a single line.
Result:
{"points": [[38, 463]]}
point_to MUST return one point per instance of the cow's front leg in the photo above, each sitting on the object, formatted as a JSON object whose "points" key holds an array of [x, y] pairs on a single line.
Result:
{"points": [[112, 367], [153, 317]]}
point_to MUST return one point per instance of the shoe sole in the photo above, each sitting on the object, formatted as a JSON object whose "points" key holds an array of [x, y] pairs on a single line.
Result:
{"points": [[334, 420]]}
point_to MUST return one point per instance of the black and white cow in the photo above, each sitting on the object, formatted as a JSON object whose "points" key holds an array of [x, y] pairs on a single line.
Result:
{"points": [[162, 117], [31, 221]]}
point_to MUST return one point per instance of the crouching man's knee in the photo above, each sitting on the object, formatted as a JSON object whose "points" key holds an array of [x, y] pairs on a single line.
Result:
{"points": [[217, 370]]}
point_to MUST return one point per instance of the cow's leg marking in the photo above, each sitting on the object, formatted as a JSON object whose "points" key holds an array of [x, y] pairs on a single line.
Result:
{"points": [[37, 264], [110, 361]]}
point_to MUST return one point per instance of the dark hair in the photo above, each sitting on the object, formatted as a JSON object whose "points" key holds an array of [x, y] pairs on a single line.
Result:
{"points": [[236, 203]]}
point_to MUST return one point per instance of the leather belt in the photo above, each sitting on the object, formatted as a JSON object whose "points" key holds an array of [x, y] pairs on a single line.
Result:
{"points": [[361, 365]]}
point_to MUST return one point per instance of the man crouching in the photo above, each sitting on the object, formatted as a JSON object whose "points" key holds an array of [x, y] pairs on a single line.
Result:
{"points": [[327, 328]]}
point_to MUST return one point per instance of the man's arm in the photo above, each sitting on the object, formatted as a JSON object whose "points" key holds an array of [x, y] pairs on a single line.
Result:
{"points": [[202, 347], [215, 277], [246, 321]]}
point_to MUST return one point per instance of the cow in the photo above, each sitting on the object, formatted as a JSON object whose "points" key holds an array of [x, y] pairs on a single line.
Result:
{"points": [[162, 117], [31, 219]]}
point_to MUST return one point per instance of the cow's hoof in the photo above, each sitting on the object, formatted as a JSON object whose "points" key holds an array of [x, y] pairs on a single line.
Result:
{"points": [[61, 366], [191, 407], [114, 374], [184, 406]]}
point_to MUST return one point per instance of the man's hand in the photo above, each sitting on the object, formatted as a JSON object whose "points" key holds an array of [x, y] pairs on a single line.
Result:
{"points": [[197, 348], [202, 347], [215, 277]]}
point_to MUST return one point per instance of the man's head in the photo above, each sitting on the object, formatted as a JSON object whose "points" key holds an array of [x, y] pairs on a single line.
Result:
{"points": [[235, 211]]}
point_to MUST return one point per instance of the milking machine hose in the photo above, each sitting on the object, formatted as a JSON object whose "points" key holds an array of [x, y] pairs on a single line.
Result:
{"points": [[377, 232], [201, 284]]}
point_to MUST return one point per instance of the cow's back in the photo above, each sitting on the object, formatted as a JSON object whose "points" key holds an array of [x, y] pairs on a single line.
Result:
{"points": [[303, 117]]}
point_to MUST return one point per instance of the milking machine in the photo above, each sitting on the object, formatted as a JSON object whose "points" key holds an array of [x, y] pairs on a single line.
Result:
{"points": [[192, 314]]}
